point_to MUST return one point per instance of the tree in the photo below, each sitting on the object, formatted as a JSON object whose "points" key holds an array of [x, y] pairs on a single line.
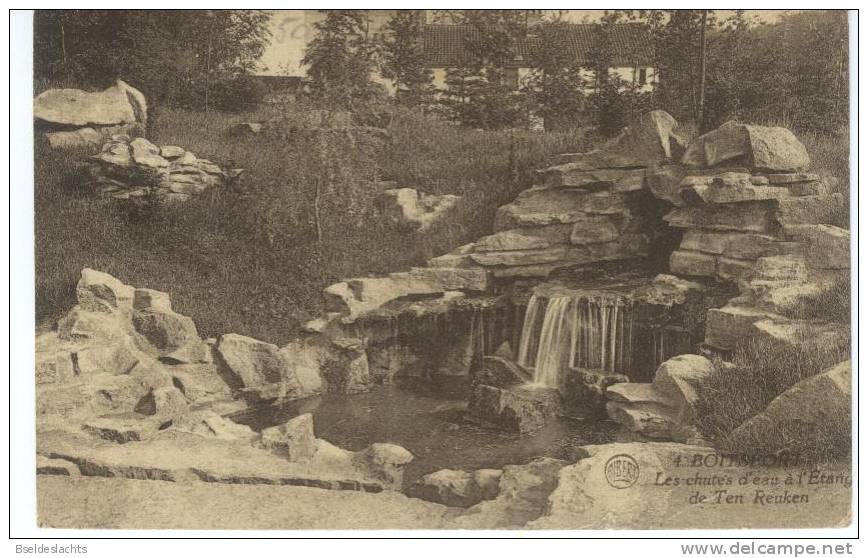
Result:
{"points": [[173, 56], [556, 85], [614, 102], [403, 59], [340, 59], [478, 92]]}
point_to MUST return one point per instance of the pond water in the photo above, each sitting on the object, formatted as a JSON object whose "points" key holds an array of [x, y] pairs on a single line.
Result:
{"points": [[430, 421]]}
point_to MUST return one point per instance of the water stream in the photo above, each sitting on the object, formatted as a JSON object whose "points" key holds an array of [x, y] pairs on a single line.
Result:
{"points": [[567, 331]]}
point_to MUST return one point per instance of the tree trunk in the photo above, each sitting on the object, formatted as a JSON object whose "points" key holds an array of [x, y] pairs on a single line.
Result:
{"points": [[701, 109]]}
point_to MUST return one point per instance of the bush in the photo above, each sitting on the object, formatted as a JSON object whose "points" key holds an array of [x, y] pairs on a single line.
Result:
{"points": [[760, 371], [239, 94]]}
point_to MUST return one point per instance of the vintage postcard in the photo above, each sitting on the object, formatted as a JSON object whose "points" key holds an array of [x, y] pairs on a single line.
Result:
{"points": [[437, 269]]}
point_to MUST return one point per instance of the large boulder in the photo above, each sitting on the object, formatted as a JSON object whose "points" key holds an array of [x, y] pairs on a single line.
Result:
{"points": [[520, 409], [256, 365], [647, 142], [617, 486], [293, 440], [384, 462], [764, 148], [817, 408], [119, 104], [678, 380], [501, 372], [455, 488]]}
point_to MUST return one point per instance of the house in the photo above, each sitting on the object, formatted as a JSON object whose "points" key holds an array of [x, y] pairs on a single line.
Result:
{"points": [[631, 50], [444, 43]]}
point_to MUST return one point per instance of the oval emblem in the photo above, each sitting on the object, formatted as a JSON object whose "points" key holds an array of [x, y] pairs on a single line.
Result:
{"points": [[622, 471]]}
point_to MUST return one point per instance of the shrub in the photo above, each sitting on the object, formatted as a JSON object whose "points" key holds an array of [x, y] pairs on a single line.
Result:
{"points": [[238, 94], [760, 371]]}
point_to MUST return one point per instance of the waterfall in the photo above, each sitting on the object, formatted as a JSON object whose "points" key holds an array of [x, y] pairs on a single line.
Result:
{"points": [[575, 331]]}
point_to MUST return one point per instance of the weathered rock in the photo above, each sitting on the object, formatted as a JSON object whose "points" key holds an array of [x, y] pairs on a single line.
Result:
{"points": [[209, 424], [518, 409], [147, 154], [817, 408], [119, 104], [776, 149], [594, 229], [758, 147], [500, 372], [171, 334], [752, 217], [549, 206], [738, 245], [457, 488], [781, 268], [48, 466], [537, 238], [293, 440], [646, 418], [576, 175], [808, 210], [172, 151], [149, 299], [665, 183], [823, 246], [522, 496], [415, 210], [678, 381], [251, 362], [100, 292], [83, 137], [644, 143], [520, 257], [725, 327], [384, 462], [615, 485], [693, 264], [123, 428], [111, 358]]}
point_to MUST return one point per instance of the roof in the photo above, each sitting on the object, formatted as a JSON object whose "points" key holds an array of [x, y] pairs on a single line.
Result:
{"points": [[631, 44]]}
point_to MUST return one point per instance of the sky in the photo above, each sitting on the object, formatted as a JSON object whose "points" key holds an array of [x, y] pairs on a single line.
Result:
{"points": [[291, 30]]}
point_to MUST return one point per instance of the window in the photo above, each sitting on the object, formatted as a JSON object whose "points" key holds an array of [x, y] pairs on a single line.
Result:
{"points": [[643, 77]]}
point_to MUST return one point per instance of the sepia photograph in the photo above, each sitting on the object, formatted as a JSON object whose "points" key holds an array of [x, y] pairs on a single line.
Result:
{"points": [[442, 270]]}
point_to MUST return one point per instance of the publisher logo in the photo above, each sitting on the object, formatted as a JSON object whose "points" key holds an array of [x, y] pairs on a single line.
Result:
{"points": [[622, 471]]}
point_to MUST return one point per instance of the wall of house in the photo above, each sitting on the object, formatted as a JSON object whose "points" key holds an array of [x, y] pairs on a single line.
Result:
{"points": [[629, 74]]}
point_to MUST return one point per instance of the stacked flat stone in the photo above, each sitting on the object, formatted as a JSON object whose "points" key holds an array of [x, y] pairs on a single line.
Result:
{"points": [[764, 231], [129, 168], [581, 212]]}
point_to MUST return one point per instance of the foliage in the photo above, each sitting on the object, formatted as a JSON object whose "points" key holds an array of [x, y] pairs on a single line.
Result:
{"points": [[614, 102], [249, 259], [760, 371], [403, 60], [239, 94], [340, 59], [173, 56], [479, 93], [556, 84], [794, 70]]}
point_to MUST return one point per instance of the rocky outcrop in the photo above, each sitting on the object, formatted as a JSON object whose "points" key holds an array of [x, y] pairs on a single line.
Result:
{"points": [[772, 149], [76, 118], [134, 168], [412, 210], [817, 408], [523, 409], [455, 488], [761, 226], [293, 440], [665, 408]]}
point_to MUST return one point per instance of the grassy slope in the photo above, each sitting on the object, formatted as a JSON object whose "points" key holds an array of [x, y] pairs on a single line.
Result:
{"points": [[251, 263]]}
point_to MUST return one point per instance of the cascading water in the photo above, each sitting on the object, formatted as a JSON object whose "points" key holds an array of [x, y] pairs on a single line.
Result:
{"points": [[576, 331]]}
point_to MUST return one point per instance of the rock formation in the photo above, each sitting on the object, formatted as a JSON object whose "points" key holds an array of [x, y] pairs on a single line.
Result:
{"points": [[412, 210], [134, 168], [76, 118]]}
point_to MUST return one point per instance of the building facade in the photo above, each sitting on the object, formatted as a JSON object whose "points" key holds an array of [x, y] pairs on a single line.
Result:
{"points": [[444, 44]]}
